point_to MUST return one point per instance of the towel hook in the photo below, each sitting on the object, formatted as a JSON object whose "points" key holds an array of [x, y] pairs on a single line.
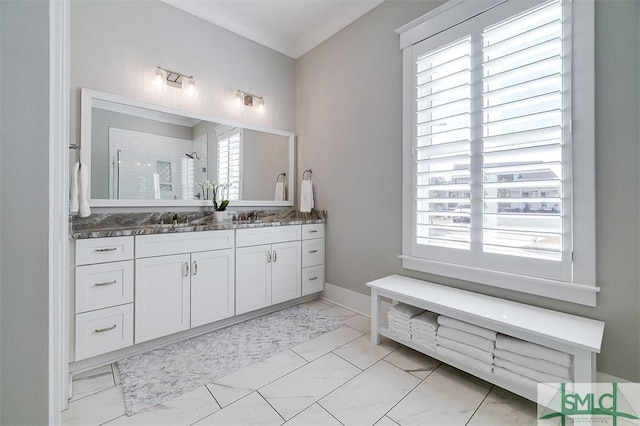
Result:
{"points": [[284, 177], [305, 172]]}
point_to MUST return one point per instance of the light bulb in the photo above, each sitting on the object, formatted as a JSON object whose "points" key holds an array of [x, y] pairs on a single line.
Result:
{"points": [[239, 98], [191, 88], [260, 105], [158, 79]]}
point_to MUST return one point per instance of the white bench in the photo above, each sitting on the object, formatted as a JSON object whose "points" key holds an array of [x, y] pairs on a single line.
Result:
{"points": [[577, 336]]}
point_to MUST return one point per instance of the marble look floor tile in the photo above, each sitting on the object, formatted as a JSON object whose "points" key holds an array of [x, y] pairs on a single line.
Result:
{"points": [[363, 354], [183, 410], [446, 397], [359, 322], [502, 407], [296, 391], [95, 409], [366, 398], [338, 312], [386, 421], [91, 382], [116, 373], [414, 362], [314, 415], [318, 304], [250, 410], [246, 380], [322, 345]]}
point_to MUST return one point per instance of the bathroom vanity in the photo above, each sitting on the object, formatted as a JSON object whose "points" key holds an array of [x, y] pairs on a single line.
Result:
{"points": [[140, 284]]}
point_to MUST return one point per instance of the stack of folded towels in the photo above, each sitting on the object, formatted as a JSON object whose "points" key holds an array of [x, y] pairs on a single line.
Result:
{"points": [[526, 364], [399, 319], [469, 345], [423, 329]]}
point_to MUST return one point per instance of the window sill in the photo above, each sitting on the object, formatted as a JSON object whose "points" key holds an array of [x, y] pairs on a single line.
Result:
{"points": [[571, 292]]}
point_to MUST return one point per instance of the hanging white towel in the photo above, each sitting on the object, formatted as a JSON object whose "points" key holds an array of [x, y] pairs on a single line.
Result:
{"points": [[306, 196], [73, 206], [279, 191], [83, 183]]}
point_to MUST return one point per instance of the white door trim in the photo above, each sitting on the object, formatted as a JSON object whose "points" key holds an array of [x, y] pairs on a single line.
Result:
{"points": [[59, 21]]}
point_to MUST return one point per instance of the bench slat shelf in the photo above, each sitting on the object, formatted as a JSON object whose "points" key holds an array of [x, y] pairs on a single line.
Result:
{"points": [[578, 336]]}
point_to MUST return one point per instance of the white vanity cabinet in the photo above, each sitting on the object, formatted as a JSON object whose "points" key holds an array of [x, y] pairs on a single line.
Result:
{"points": [[268, 266], [103, 295], [182, 280], [312, 258]]}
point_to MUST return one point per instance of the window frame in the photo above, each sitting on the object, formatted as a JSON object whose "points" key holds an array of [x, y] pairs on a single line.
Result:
{"points": [[577, 284]]}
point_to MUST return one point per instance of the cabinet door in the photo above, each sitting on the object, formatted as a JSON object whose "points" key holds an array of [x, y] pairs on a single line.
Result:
{"points": [[162, 296], [253, 278], [286, 282], [212, 279]]}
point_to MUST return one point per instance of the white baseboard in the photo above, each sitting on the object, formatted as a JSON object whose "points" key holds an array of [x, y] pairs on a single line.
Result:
{"points": [[361, 304]]}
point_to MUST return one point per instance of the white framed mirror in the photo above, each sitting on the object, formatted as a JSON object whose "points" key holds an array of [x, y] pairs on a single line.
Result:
{"points": [[143, 155]]}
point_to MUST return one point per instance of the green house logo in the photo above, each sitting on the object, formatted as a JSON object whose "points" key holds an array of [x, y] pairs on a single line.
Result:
{"points": [[611, 404]]}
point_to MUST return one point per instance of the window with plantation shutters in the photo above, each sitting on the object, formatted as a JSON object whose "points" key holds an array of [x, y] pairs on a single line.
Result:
{"points": [[489, 179], [229, 162]]}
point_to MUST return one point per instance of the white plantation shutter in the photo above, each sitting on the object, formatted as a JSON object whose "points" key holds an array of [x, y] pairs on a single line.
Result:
{"points": [[523, 135], [491, 142], [229, 162]]}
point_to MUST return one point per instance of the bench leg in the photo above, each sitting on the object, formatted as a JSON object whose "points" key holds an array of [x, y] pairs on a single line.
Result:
{"points": [[584, 366], [375, 316]]}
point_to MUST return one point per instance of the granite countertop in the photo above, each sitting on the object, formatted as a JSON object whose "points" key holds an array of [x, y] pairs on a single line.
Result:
{"points": [[124, 224]]}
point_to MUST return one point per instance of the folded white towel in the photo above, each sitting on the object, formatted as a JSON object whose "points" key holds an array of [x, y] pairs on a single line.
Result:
{"points": [[535, 363], [472, 351], [279, 196], [426, 344], [73, 206], [467, 338], [83, 187], [465, 361], [517, 381], [532, 350], [306, 196], [465, 326], [399, 334], [426, 319], [415, 332], [528, 372], [405, 311]]}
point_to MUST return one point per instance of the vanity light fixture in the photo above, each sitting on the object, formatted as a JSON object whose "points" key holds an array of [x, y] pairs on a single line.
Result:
{"points": [[248, 99], [175, 79]]}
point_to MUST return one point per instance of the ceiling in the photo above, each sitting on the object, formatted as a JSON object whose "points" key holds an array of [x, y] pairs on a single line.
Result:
{"points": [[291, 27]]}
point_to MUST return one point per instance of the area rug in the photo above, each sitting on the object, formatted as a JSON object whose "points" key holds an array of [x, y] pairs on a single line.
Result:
{"points": [[165, 373]]}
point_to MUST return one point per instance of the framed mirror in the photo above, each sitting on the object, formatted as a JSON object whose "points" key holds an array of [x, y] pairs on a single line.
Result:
{"points": [[141, 154]]}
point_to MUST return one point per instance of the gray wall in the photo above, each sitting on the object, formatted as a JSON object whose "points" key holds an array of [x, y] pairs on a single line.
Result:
{"points": [[264, 155], [101, 120], [349, 128], [24, 172], [116, 45]]}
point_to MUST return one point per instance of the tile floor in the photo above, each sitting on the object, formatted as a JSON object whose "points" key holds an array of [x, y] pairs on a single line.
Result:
{"points": [[339, 378]]}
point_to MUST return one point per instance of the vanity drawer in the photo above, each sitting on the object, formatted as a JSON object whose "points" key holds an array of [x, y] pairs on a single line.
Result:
{"points": [[100, 250], [103, 331], [267, 235], [182, 242], [103, 285], [315, 230], [312, 252], [312, 280]]}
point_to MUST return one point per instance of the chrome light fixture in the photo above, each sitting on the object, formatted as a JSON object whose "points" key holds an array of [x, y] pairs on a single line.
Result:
{"points": [[249, 99], [175, 79]]}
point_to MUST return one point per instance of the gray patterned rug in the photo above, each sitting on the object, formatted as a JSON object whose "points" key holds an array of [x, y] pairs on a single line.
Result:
{"points": [[165, 373]]}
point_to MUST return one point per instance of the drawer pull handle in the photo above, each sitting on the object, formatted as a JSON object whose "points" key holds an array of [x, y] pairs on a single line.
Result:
{"points": [[102, 250], [313, 251], [102, 330], [185, 266], [268, 257], [275, 256], [194, 268], [313, 231], [313, 279], [105, 283]]}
